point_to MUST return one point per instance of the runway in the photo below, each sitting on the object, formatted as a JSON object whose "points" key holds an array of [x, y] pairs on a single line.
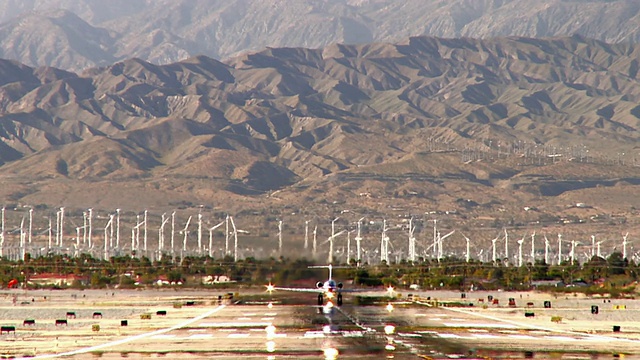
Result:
{"points": [[291, 328]]}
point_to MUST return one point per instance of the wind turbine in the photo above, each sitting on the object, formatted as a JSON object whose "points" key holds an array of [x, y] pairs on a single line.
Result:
{"points": [[330, 240], [306, 234], [384, 243], [412, 242], [90, 223], [31, 223], [226, 236], [50, 235], [506, 244], [117, 228], [173, 231], [493, 248], [163, 221], [358, 240], [22, 239], [106, 243], [145, 231], [199, 232], [546, 249], [520, 242], [440, 242], [348, 246], [235, 236], [211, 237], [533, 248], [435, 238], [186, 235], [2, 234], [559, 249], [279, 237], [315, 247], [61, 228], [468, 253]]}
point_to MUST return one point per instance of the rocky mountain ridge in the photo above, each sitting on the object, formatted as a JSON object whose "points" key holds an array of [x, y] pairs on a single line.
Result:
{"points": [[80, 34]]}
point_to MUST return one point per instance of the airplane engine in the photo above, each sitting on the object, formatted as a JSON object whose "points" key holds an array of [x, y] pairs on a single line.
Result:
{"points": [[339, 285], [319, 284]]}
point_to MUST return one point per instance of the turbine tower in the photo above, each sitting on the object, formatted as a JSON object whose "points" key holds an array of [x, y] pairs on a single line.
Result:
{"points": [[61, 226], [493, 249], [506, 244], [435, 238], [31, 224], [358, 240], [2, 234], [173, 231], [163, 222], [520, 242], [412, 242], [199, 232], [145, 231], [279, 237], [533, 248], [624, 245], [226, 235], [330, 240], [546, 250], [384, 243], [440, 242], [306, 234], [468, 254], [90, 221], [559, 249], [315, 242], [117, 229], [593, 246]]}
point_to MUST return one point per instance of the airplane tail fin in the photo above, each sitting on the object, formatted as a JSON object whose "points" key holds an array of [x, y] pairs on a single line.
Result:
{"points": [[330, 267]]}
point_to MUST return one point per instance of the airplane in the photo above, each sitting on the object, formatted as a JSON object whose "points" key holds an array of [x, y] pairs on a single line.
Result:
{"points": [[328, 289]]}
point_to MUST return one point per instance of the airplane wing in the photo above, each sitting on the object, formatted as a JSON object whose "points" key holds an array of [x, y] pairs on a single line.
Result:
{"points": [[307, 290]]}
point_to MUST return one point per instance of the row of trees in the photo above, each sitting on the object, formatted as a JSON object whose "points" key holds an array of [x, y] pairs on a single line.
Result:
{"points": [[450, 273]]}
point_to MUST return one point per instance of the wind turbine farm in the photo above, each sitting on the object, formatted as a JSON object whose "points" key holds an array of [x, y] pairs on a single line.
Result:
{"points": [[410, 238]]}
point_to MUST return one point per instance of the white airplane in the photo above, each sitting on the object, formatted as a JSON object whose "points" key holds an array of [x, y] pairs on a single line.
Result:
{"points": [[328, 289]]}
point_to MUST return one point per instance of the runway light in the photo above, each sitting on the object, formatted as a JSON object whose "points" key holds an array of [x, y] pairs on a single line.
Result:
{"points": [[390, 290], [389, 329], [329, 304], [271, 331], [270, 305], [330, 353], [389, 307], [270, 288], [271, 346]]}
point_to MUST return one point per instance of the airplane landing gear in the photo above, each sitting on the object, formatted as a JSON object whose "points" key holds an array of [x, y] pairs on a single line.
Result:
{"points": [[339, 299], [320, 300]]}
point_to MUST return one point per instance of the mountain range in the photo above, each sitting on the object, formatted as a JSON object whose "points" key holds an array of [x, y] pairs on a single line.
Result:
{"points": [[79, 34], [431, 123]]}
